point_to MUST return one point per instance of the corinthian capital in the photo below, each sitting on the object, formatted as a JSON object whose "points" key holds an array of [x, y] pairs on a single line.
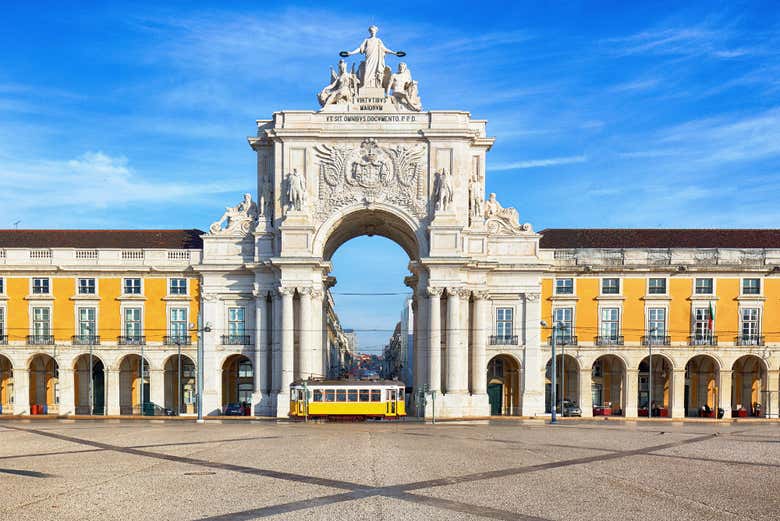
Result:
{"points": [[286, 290], [532, 297], [463, 293], [434, 292], [480, 294]]}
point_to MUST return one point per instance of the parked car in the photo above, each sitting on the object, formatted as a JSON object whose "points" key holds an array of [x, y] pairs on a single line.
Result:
{"points": [[569, 409], [233, 409]]}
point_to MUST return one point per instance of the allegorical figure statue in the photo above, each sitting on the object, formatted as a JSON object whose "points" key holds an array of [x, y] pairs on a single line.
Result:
{"points": [[266, 198], [494, 209], [477, 199], [239, 218], [343, 86], [372, 69], [296, 190], [443, 190], [404, 88]]}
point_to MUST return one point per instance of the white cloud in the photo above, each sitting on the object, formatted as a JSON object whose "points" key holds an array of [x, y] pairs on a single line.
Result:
{"points": [[539, 163]]}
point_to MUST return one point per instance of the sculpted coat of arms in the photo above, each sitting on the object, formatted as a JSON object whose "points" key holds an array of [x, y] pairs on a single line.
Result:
{"points": [[371, 173]]}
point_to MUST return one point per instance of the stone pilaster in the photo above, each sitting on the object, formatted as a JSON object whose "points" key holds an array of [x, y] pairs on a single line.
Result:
{"points": [[678, 393], [632, 393], [276, 342], [261, 345], [157, 387], [455, 361], [66, 391], [434, 339], [21, 391], [586, 398], [287, 352], [724, 393], [316, 354], [112, 391], [479, 348], [304, 334], [212, 381], [533, 369], [773, 384]]}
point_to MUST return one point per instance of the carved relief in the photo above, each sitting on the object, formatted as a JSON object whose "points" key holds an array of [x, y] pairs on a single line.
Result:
{"points": [[370, 173], [239, 219], [503, 221]]}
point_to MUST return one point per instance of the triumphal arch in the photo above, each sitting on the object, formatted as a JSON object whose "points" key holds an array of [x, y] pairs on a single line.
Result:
{"points": [[372, 161]]}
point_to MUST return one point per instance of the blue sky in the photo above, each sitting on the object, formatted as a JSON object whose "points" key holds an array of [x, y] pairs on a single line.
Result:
{"points": [[606, 114]]}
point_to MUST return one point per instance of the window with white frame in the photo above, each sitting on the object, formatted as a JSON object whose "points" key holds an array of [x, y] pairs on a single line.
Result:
{"points": [[87, 286], [40, 286], [504, 323], [563, 318], [750, 327], [177, 286], [656, 324], [751, 286], [236, 324], [610, 286], [702, 326], [703, 286], [87, 323], [177, 324], [41, 322], [133, 326], [131, 286], [656, 286], [564, 286], [610, 325]]}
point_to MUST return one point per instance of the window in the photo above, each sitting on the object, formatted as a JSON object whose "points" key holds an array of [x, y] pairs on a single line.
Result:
{"points": [[40, 286], [702, 326], [317, 395], [364, 395], [2, 285], [236, 324], [504, 322], [751, 286], [41, 322], [564, 286], [656, 286], [610, 286], [330, 395], [352, 395], [341, 395], [563, 317], [245, 369], [245, 391], [703, 287], [133, 327], [656, 324], [376, 395], [177, 287], [177, 324], [750, 327], [131, 287], [86, 287], [87, 323], [610, 324]]}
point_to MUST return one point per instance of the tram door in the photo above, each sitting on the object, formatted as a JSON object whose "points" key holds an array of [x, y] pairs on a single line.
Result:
{"points": [[301, 396], [392, 396]]}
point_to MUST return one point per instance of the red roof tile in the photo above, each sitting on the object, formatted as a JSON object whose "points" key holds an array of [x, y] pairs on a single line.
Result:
{"points": [[553, 238], [163, 239]]}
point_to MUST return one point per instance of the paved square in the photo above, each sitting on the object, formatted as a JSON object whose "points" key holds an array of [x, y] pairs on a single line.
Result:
{"points": [[481, 470]]}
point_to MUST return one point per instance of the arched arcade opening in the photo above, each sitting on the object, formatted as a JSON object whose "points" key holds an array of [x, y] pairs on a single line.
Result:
{"points": [[237, 380], [655, 399], [44, 384], [180, 384], [6, 385], [86, 372], [608, 386], [134, 386], [567, 383], [748, 387], [503, 386], [702, 379]]}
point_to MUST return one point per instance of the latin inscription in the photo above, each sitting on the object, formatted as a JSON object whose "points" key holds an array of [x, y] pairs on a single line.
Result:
{"points": [[373, 118]]}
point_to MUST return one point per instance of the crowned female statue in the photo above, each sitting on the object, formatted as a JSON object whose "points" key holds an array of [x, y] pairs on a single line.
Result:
{"points": [[372, 70]]}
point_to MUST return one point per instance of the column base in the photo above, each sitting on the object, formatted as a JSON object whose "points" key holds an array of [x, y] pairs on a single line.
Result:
{"points": [[458, 405], [678, 412], [533, 403], [630, 412], [282, 401], [263, 405]]}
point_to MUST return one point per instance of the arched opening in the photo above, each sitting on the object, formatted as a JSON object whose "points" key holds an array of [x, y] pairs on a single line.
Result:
{"points": [[608, 386], [134, 386], [180, 384], [82, 376], [748, 387], [567, 385], [503, 386], [655, 400], [702, 377], [237, 381], [44, 385], [6, 386]]}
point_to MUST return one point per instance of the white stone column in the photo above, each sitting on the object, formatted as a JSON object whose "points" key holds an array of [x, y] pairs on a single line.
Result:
{"points": [[66, 391], [112, 391], [464, 360], [316, 355], [533, 370], [773, 384], [454, 343], [724, 393], [261, 344], [304, 334], [678, 393], [434, 339], [212, 372], [157, 387], [276, 342], [586, 396], [479, 348], [288, 340], [21, 391], [632, 393]]}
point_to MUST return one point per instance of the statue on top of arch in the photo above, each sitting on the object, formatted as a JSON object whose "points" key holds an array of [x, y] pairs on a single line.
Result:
{"points": [[239, 219], [503, 220]]}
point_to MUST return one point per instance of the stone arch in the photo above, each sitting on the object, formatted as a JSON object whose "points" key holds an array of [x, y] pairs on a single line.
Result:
{"points": [[374, 219], [237, 379], [180, 388], [661, 392], [567, 380], [702, 381], [6, 384], [749, 386], [608, 383], [133, 385], [43, 371], [81, 386], [503, 385]]}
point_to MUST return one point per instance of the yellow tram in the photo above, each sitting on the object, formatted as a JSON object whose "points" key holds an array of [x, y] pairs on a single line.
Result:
{"points": [[347, 399]]}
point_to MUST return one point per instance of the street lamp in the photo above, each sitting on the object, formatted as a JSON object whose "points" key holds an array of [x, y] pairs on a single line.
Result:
{"points": [[650, 338], [553, 369], [200, 330]]}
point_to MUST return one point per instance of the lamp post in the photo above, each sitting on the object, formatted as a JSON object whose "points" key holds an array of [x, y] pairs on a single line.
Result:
{"points": [[650, 336], [201, 329], [91, 396], [553, 370]]}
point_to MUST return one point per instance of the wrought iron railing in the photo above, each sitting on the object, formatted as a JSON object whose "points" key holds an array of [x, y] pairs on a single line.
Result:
{"points": [[702, 340], [235, 340], [563, 340], [609, 340], [656, 340], [131, 340], [180, 340], [85, 340], [40, 340], [749, 340], [3, 340], [503, 340]]}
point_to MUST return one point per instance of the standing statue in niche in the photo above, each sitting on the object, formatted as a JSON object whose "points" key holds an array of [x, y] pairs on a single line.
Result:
{"points": [[477, 199], [372, 71], [241, 218], [404, 89], [342, 88], [266, 198], [442, 190], [296, 190]]}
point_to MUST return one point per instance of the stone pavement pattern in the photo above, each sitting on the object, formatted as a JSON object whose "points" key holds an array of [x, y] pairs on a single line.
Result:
{"points": [[489, 470]]}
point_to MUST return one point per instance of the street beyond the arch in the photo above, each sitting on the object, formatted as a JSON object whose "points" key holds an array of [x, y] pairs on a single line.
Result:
{"points": [[406, 470]]}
